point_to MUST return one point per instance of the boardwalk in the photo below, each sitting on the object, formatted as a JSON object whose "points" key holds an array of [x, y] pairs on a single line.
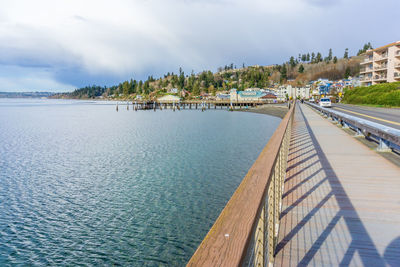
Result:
{"points": [[341, 204]]}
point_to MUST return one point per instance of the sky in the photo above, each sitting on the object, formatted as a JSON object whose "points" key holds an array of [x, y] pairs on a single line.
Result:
{"points": [[58, 46]]}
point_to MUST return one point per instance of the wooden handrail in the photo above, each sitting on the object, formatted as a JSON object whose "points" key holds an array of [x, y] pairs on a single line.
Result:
{"points": [[227, 242]]}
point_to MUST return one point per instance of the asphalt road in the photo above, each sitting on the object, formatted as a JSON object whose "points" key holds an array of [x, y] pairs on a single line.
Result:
{"points": [[386, 116]]}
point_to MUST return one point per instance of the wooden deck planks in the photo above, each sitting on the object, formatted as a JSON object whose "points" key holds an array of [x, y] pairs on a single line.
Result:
{"points": [[341, 204]]}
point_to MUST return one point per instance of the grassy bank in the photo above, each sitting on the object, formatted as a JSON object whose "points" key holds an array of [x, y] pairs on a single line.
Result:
{"points": [[386, 95]]}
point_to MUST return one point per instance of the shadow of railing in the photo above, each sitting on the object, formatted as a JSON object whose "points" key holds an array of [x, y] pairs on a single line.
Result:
{"points": [[329, 189]]}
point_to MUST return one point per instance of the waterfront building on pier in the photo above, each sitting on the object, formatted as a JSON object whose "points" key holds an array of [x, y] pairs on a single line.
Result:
{"points": [[168, 99], [248, 95]]}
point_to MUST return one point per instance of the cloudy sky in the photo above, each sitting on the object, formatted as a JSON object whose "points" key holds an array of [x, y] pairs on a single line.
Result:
{"points": [[60, 45]]}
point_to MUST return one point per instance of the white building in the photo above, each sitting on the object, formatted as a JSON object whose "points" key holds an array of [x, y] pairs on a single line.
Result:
{"points": [[169, 99], [252, 89], [303, 92], [381, 65], [173, 91], [291, 92], [223, 96]]}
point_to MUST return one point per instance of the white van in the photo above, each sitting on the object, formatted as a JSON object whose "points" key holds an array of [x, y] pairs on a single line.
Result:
{"points": [[325, 102]]}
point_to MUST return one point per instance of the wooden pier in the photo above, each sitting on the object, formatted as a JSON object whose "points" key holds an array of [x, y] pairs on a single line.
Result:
{"points": [[191, 104]]}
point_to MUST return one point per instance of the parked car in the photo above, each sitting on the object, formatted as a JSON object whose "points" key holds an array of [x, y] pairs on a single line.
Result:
{"points": [[325, 102], [312, 100]]}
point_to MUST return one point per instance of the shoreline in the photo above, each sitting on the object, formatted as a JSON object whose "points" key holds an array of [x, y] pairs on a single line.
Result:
{"points": [[276, 110]]}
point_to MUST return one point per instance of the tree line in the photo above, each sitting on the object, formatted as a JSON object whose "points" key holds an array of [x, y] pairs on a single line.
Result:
{"points": [[225, 78]]}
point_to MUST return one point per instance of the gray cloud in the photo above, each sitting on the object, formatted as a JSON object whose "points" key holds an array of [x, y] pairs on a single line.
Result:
{"points": [[70, 42]]}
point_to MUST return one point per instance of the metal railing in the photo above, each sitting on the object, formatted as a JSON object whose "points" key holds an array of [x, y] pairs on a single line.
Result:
{"points": [[380, 77], [381, 57], [246, 231], [366, 79], [380, 67], [387, 137], [366, 70]]}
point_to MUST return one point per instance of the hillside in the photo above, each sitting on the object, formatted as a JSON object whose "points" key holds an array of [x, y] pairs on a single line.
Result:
{"points": [[386, 94], [296, 72], [25, 94]]}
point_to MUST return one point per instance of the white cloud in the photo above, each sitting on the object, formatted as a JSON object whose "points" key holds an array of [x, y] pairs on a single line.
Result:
{"points": [[122, 38]]}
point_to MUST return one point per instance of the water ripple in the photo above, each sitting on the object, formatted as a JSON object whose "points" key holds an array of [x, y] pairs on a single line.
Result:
{"points": [[81, 184]]}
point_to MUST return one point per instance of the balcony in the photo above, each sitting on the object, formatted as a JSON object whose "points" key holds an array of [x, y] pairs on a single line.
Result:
{"points": [[366, 70], [397, 65], [397, 75], [380, 68], [366, 79], [380, 78], [381, 57], [397, 53], [367, 60]]}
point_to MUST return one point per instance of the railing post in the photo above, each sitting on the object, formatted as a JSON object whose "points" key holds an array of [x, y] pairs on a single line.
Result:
{"points": [[271, 223], [259, 240], [384, 146]]}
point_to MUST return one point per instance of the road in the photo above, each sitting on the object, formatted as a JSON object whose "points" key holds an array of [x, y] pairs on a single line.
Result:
{"points": [[386, 116]]}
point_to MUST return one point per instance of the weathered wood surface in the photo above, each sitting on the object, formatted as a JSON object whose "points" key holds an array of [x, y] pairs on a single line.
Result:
{"points": [[226, 242], [341, 204]]}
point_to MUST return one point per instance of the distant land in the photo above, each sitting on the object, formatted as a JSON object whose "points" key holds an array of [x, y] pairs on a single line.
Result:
{"points": [[25, 94], [296, 72]]}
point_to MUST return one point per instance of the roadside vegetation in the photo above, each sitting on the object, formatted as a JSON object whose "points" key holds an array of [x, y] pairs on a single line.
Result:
{"points": [[297, 71], [385, 94]]}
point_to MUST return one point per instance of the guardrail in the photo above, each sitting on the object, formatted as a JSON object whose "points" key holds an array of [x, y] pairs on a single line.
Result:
{"points": [[387, 137], [246, 231]]}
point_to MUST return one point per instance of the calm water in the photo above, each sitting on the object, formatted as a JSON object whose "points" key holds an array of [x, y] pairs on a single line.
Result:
{"points": [[83, 184]]}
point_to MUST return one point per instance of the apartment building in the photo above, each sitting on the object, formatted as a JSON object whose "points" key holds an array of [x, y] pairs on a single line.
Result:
{"points": [[381, 65]]}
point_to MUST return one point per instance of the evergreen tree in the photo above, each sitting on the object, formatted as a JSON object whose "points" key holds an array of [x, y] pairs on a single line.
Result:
{"points": [[292, 62], [301, 69], [347, 73], [181, 81], [334, 59], [312, 57], [140, 87], [283, 72], [308, 57], [330, 54], [125, 88], [319, 57], [364, 49], [132, 85], [196, 89], [146, 87], [346, 53]]}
